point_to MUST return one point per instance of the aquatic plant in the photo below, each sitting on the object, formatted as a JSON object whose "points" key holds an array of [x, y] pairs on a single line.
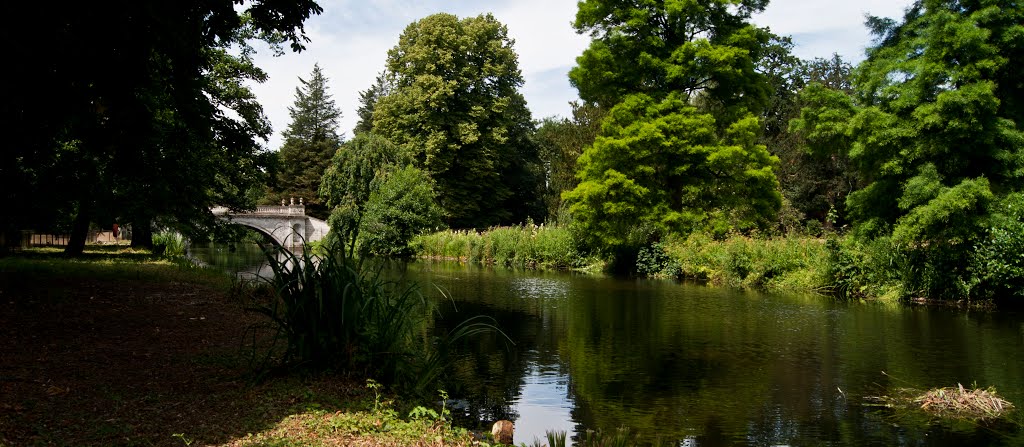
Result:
{"points": [[951, 402], [169, 243]]}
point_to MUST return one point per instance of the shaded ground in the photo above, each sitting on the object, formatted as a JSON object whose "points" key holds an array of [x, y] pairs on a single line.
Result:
{"points": [[94, 361]]}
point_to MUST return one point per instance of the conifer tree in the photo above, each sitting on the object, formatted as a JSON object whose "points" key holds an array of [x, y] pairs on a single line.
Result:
{"points": [[310, 141]]}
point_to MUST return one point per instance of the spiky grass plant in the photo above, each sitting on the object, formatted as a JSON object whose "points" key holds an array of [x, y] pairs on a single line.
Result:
{"points": [[330, 311]]}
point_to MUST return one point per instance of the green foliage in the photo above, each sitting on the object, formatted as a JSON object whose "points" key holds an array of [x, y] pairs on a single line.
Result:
{"points": [[933, 129], [662, 167], [655, 48], [314, 114], [945, 110], [329, 312], [526, 246], [163, 125], [170, 244], [357, 169], [789, 264], [805, 129], [561, 142], [368, 101], [309, 143], [399, 207], [858, 270], [454, 104], [654, 262], [998, 262]]}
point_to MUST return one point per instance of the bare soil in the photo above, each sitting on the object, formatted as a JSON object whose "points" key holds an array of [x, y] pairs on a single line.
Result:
{"points": [[92, 362]]}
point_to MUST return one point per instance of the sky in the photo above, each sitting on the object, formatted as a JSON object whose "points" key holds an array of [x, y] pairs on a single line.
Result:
{"points": [[351, 38]]}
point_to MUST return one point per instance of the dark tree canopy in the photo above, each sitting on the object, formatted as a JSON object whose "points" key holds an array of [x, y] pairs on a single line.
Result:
{"points": [[561, 141], [120, 108], [368, 101]]}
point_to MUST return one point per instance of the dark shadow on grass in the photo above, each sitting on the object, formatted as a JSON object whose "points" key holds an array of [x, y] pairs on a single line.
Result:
{"points": [[129, 361]]}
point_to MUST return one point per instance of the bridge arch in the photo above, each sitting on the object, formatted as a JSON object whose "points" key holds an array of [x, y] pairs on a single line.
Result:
{"points": [[288, 226]]}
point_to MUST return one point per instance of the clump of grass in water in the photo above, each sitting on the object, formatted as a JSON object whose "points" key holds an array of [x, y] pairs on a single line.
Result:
{"points": [[952, 402]]}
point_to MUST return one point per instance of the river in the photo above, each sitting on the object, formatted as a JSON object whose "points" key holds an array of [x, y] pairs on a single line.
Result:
{"points": [[701, 366]]}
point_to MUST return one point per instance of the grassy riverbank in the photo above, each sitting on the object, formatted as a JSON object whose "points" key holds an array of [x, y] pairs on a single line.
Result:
{"points": [[777, 264], [834, 265], [524, 246], [122, 347]]}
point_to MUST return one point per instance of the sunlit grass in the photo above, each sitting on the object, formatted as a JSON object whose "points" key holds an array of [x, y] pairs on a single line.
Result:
{"points": [[375, 424], [788, 264], [519, 246], [105, 263]]}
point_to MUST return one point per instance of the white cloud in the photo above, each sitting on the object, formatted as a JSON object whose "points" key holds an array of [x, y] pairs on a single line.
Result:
{"points": [[351, 38], [821, 28]]}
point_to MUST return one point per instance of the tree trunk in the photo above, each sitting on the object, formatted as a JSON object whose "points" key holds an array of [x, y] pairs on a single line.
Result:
{"points": [[142, 233], [79, 230]]}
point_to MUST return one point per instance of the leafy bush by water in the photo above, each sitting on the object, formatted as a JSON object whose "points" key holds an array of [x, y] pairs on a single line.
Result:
{"points": [[169, 243], [858, 269], [998, 262]]}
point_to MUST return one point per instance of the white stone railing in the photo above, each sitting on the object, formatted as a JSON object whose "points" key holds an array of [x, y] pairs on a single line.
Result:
{"points": [[287, 210], [273, 210]]}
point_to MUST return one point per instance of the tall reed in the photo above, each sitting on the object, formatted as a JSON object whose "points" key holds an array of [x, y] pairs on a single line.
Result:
{"points": [[330, 311], [790, 263], [522, 246], [170, 243]]}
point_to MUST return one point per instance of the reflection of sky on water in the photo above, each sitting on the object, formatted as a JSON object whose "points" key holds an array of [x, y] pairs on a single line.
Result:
{"points": [[544, 402], [534, 288], [543, 405]]}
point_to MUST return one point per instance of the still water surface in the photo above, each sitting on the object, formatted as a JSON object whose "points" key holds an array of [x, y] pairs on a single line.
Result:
{"points": [[702, 366]]}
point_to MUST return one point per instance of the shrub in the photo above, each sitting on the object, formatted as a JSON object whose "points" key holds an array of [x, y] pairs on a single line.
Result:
{"points": [[998, 263], [858, 269], [170, 244], [654, 262]]}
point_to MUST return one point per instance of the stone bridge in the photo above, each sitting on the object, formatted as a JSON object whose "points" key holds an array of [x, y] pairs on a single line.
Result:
{"points": [[287, 225]]}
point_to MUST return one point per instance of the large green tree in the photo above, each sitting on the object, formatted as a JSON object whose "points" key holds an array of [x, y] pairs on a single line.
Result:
{"points": [[678, 151], [694, 48], [378, 199], [309, 143], [815, 177], [662, 167], [934, 129], [134, 106], [454, 103]]}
